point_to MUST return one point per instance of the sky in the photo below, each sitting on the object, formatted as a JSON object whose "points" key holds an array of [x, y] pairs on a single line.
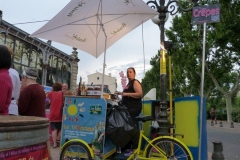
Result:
{"points": [[135, 48]]}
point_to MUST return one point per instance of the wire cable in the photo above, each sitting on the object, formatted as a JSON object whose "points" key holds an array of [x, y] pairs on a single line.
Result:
{"points": [[143, 50], [30, 22]]}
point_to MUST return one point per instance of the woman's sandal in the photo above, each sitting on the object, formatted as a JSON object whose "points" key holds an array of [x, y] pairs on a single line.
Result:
{"points": [[128, 154], [128, 150], [55, 146]]}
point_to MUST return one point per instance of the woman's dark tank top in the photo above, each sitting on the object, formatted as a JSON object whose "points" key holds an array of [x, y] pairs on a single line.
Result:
{"points": [[131, 102]]}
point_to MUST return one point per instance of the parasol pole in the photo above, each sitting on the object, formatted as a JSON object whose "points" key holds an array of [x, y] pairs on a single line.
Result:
{"points": [[104, 59], [105, 48]]}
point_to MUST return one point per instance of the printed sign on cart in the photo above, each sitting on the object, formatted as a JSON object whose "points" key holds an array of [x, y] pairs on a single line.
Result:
{"points": [[83, 118], [33, 152], [95, 109]]}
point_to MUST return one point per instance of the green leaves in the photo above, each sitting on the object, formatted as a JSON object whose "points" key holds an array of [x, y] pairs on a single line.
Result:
{"points": [[222, 52]]}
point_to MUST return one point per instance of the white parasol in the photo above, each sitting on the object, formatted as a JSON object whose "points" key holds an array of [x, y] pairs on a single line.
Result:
{"points": [[95, 25]]}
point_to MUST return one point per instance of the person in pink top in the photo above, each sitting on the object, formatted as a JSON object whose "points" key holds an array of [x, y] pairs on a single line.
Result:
{"points": [[5, 79], [56, 102]]}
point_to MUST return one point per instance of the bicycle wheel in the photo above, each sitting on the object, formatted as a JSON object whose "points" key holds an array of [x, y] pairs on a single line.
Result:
{"points": [[75, 151], [172, 150]]}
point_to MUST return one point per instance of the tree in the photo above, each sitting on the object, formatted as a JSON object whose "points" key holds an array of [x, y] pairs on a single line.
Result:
{"points": [[225, 53], [152, 77], [187, 56], [228, 89], [222, 53]]}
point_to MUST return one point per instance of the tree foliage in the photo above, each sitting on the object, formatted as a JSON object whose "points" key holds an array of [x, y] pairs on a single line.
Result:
{"points": [[222, 51], [221, 61], [152, 77]]}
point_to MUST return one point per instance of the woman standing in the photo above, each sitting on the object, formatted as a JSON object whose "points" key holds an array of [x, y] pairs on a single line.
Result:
{"points": [[5, 79], [56, 102], [213, 115], [132, 99]]}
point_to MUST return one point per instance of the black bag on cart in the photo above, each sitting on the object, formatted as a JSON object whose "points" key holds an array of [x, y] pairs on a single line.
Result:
{"points": [[120, 126]]}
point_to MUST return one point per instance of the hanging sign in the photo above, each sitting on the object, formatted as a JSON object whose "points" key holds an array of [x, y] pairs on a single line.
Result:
{"points": [[206, 14], [163, 65]]}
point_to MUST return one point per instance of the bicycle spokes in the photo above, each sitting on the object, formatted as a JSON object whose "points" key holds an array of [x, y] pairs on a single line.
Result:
{"points": [[168, 149]]}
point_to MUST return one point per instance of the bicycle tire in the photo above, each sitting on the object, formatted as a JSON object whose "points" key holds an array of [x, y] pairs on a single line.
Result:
{"points": [[180, 151], [75, 151]]}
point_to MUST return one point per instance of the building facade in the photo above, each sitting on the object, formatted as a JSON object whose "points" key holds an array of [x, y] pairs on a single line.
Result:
{"points": [[109, 81], [53, 65]]}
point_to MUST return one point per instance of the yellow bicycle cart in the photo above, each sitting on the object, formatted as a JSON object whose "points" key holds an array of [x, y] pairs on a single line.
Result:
{"points": [[83, 135]]}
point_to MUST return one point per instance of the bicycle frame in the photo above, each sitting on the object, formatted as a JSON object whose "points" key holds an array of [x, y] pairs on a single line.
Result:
{"points": [[137, 152]]}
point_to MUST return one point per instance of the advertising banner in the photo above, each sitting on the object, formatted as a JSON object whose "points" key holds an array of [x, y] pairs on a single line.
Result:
{"points": [[163, 69], [206, 14], [33, 152], [85, 119]]}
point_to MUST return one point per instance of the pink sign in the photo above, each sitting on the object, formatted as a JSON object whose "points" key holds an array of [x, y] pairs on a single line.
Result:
{"points": [[206, 14], [33, 152]]}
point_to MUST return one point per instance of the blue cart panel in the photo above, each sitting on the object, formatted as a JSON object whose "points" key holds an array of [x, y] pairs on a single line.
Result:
{"points": [[85, 118]]}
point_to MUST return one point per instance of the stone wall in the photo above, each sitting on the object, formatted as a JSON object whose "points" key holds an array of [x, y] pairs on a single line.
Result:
{"points": [[74, 72]]}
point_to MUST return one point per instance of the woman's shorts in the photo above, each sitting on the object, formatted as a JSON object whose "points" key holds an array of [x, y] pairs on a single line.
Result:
{"points": [[56, 125]]}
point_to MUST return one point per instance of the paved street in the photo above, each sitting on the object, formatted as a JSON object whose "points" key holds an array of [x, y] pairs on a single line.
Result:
{"points": [[230, 138], [55, 152]]}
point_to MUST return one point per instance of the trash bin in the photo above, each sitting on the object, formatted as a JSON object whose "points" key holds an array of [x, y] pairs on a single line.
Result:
{"points": [[49, 128], [20, 131]]}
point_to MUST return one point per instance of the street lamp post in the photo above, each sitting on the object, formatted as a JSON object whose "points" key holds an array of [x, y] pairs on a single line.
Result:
{"points": [[163, 9]]}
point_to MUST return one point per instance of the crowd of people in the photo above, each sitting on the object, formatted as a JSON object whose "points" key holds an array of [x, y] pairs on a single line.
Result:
{"points": [[29, 98]]}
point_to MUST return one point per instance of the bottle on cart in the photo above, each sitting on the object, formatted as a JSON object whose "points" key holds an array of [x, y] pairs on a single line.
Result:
{"points": [[83, 89]]}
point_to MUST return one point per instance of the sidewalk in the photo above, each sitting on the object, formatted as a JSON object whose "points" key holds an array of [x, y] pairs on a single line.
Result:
{"points": [[225, 125], [55, 153]]}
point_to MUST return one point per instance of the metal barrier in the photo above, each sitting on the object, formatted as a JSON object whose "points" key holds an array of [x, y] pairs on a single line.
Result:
{"points": [[217, 151]]}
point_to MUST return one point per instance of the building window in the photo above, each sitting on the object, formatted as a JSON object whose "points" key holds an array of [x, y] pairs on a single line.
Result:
{"points": [[59, 71], [2, 38], [27, 55], [97, 78]]}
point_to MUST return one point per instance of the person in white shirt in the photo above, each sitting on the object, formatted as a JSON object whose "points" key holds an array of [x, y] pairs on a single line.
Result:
{"points": [[13, 108]]}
